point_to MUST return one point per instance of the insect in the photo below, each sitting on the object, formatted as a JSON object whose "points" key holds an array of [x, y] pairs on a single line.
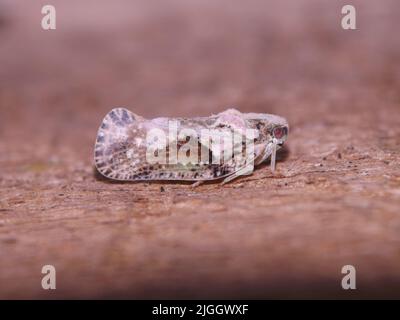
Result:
{"points": [[223, 146]]}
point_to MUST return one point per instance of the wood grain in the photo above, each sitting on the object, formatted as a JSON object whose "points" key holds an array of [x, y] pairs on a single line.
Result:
{"points": [[334, 201]]}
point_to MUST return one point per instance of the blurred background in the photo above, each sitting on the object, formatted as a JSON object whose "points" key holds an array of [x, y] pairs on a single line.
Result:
{"points": [[339, 90]]}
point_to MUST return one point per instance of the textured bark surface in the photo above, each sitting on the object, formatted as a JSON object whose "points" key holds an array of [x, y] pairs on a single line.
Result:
{"points": [[334, 201]]}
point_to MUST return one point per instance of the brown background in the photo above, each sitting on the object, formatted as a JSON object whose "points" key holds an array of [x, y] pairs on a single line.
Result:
{"points": [[334, 201]]}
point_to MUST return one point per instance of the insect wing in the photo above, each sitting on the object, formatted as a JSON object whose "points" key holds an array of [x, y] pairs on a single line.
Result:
{"points": [[129, 147], [120, 149]]}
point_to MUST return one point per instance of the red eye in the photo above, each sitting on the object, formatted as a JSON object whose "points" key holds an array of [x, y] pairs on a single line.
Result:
{"points": [[280, 132]]}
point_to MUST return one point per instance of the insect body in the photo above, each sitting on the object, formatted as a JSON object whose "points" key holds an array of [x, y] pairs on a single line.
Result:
{"points": [[226, 145]]}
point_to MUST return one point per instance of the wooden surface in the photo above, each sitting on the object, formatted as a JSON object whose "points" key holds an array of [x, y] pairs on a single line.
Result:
{"points": [[334, 201]]}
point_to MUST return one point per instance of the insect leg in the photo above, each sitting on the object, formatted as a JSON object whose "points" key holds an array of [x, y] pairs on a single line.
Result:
{"points": [[197, 183], [240, 172], [229, 178], [273, 157]]}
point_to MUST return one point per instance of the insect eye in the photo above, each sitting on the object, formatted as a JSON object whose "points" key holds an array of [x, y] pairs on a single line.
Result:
{"points": [[279, 132]]}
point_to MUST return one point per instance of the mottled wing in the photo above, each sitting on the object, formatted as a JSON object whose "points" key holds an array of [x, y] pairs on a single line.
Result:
{"points": [[120, 150], [120, 146]]}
